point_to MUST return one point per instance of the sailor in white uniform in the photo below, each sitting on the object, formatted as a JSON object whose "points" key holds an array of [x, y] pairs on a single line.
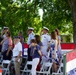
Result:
{"points": [[30, 37], [45, 39], [30, 34]]}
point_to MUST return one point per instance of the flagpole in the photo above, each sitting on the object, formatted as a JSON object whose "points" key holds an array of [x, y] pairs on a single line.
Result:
{"points": [[64, 64]]}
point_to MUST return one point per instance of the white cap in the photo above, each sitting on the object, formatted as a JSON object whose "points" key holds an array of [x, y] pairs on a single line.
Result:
{"points": [[30, 28], [5, 27], [46, 28]]}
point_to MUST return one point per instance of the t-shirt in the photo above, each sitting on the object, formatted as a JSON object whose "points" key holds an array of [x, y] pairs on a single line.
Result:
{"points": [[34, 51], [10, 41], [17, 48], [6, 43]]}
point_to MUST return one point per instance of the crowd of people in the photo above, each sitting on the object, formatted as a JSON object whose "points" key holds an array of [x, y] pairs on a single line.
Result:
{"points": [[43, 47]]}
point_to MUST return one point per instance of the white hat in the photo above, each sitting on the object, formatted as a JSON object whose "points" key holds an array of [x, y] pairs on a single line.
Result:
{"points": [[30, 28], [46, 28], [5, 27]]}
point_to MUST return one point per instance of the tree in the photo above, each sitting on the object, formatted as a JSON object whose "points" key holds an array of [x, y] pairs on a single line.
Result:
{"points": [[19, 14], [57, 13], [72, 4]]}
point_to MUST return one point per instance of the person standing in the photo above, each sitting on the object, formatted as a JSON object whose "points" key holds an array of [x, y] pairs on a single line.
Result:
{"points": [[36, 54], [0, 41], [7, 46], [54, 51], [31, 35], [5, 29], [21, 37], [38, 40], [17, 54], [45, 39], [59, 43]]}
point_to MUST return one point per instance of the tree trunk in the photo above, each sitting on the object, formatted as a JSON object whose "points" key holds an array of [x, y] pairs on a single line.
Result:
{"points": [[72, 4]]}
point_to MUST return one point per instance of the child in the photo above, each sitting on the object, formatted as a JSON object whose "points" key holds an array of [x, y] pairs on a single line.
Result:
{"points": [[36, 54]]}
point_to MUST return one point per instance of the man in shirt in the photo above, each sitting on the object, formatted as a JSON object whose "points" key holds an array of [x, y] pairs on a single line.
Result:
{"points": [[17, 54], [45, 39]]}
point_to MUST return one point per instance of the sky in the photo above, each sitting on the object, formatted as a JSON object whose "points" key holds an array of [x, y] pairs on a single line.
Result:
{"points": [[41, 13], [40, 10]]}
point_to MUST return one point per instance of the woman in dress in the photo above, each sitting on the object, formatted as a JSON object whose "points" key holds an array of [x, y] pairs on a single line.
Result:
{"points": [[59, 43], [54, 51]]}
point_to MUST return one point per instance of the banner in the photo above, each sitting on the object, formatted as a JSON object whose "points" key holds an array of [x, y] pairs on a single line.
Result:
{"points": [[0, 72], [70, 63], [25, 50]]}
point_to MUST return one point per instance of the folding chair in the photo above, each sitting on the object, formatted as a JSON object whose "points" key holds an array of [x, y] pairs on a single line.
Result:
{"points": [[26, 70], [45, 69], [5, 67], [60, 68]]}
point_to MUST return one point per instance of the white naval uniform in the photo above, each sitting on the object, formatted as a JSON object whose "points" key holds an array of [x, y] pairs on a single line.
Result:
{"points": [[45, 39], [30, 37]]}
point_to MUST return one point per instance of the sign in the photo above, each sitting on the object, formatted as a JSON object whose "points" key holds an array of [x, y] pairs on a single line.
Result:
{"points": [[25, 50]]}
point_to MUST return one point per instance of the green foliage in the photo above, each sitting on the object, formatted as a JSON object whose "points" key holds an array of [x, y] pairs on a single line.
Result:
{"points": [[23, 13], [57, 14]]}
